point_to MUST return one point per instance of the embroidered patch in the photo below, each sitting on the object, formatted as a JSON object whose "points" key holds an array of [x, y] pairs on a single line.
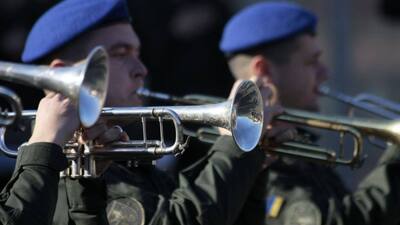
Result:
{"points": [[125, 211], [302, 212]]}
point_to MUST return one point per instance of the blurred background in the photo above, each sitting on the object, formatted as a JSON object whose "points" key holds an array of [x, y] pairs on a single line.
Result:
{"points": [[180, 39]]}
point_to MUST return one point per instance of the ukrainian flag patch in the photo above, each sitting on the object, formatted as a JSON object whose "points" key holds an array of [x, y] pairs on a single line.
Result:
{"points": [[273, 206]]}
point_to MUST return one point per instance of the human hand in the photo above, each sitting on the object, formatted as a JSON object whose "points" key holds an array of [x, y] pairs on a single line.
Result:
{"points": [[278, 133], [102, 134], [56, 117], [274, 132], [56, 120]]}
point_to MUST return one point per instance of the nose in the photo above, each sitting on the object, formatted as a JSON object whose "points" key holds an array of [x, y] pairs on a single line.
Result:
{"points": [[139, 70]]}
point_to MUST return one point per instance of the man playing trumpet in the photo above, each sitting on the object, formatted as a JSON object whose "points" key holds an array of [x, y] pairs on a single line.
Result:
{"points": [[211, 192], [277, 41]]}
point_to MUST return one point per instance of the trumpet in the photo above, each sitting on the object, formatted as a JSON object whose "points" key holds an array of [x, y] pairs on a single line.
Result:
{"points": [[356, 128], [14, 102], [242, 115], [376, 105], [85, 83]]}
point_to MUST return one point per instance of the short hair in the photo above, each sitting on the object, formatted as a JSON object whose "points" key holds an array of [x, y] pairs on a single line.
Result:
{"points": [[278, 52]]}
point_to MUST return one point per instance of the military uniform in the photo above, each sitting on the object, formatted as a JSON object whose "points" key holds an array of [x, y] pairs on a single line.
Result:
{"points": [[212, 191], [303, 193], [30, 196]]}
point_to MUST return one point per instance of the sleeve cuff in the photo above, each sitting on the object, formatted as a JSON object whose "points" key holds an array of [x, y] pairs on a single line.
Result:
{"points": [[42, 154]]}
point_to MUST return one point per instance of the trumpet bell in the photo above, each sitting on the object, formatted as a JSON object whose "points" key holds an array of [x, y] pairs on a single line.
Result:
{"points": [[243, 115], [247, 116], [93, 89], [85, 83]]}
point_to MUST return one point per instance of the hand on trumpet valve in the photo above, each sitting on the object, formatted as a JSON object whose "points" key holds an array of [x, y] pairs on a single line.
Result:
{"points": [[269, 95], [276, 133], [101, 133]]}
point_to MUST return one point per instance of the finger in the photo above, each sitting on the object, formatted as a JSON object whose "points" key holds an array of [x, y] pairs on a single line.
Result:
{"points": [[124, 137], [274, 131], [59, 97], [287, 135], [113, 134], [66, 101], [94, 132], [50, 94]]}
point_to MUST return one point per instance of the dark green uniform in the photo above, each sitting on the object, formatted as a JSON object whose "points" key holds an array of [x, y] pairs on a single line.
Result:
{"points": [[303, 193], [212, 191], [30, 196]]}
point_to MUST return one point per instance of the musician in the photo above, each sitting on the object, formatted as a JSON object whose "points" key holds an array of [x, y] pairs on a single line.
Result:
{"points": [[279, 41], [212, 191], [31, 194]]}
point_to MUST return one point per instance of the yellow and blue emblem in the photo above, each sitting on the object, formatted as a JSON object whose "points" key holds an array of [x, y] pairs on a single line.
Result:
{"points": [[273, 206]]}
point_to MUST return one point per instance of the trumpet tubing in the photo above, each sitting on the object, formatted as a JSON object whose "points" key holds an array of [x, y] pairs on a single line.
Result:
{"points": [[370, 103], [358, 128], [14, 102], [242, 115]]}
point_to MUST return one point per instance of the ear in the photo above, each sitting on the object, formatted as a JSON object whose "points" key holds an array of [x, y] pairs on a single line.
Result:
{"points": [[260, 66]]}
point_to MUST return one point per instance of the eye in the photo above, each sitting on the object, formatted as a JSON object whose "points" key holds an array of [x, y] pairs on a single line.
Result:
{"points": [[120, 51]]}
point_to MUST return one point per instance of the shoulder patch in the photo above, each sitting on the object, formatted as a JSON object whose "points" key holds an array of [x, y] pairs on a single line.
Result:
{"points": [[125, 211], [273, 206]]}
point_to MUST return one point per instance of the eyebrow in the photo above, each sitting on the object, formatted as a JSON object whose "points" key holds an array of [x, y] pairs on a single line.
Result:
{"points": [[119, 45]]}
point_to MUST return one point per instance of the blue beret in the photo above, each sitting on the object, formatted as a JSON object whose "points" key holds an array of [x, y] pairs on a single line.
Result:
{"points": [[265, 22], [67, 20]]}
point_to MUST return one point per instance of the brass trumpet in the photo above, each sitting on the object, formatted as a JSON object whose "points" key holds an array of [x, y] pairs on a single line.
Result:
{"points": [[242, 115], [356, 128]]}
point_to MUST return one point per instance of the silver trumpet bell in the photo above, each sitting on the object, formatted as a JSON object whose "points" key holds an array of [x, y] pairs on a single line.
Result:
{"points": [[85, 83]]}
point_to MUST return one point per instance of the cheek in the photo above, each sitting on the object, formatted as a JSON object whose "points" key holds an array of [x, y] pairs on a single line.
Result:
{"points": [[306, 79], [118, 79], [118, 90], [293, 82]]}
